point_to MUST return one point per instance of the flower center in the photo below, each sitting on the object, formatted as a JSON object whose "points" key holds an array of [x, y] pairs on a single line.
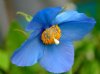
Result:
{"points": [[51, 35]]}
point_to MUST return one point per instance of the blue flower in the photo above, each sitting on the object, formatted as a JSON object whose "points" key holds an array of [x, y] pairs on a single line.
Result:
{"points": [[51, 42]]}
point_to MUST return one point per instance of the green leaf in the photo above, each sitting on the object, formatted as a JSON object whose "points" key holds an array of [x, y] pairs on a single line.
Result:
{"points": [[90, 67], [4, 61], [69, 72], [16, 36]]}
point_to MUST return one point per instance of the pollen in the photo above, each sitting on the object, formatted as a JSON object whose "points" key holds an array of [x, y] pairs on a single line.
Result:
{"points": [[49, 35]]}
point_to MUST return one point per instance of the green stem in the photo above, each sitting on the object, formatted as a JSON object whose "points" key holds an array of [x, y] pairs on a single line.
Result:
{"points": [[27, 17], [21, 31]]}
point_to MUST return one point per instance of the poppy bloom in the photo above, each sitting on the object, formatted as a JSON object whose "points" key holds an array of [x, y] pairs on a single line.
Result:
{"points": [[51, 42]]}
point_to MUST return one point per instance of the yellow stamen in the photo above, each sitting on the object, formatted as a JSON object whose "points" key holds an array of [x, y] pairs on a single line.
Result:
{"points": [[51, 35]]}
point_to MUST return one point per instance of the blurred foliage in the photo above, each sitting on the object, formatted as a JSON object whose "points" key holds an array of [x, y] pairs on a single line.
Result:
{"points": [[87, 51], [4, 60]]}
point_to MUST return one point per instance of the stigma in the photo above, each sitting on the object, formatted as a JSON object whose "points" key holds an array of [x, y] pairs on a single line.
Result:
{"points": [[56, 41], [51, 35]]}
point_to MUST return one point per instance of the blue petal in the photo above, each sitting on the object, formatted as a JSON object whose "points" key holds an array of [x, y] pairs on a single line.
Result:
{"points": [[43, 18], [34, 26], [71, 15], [65, 16], [74, 25], [58, 58], [29, 53], [36, 32], [75, 30]]}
